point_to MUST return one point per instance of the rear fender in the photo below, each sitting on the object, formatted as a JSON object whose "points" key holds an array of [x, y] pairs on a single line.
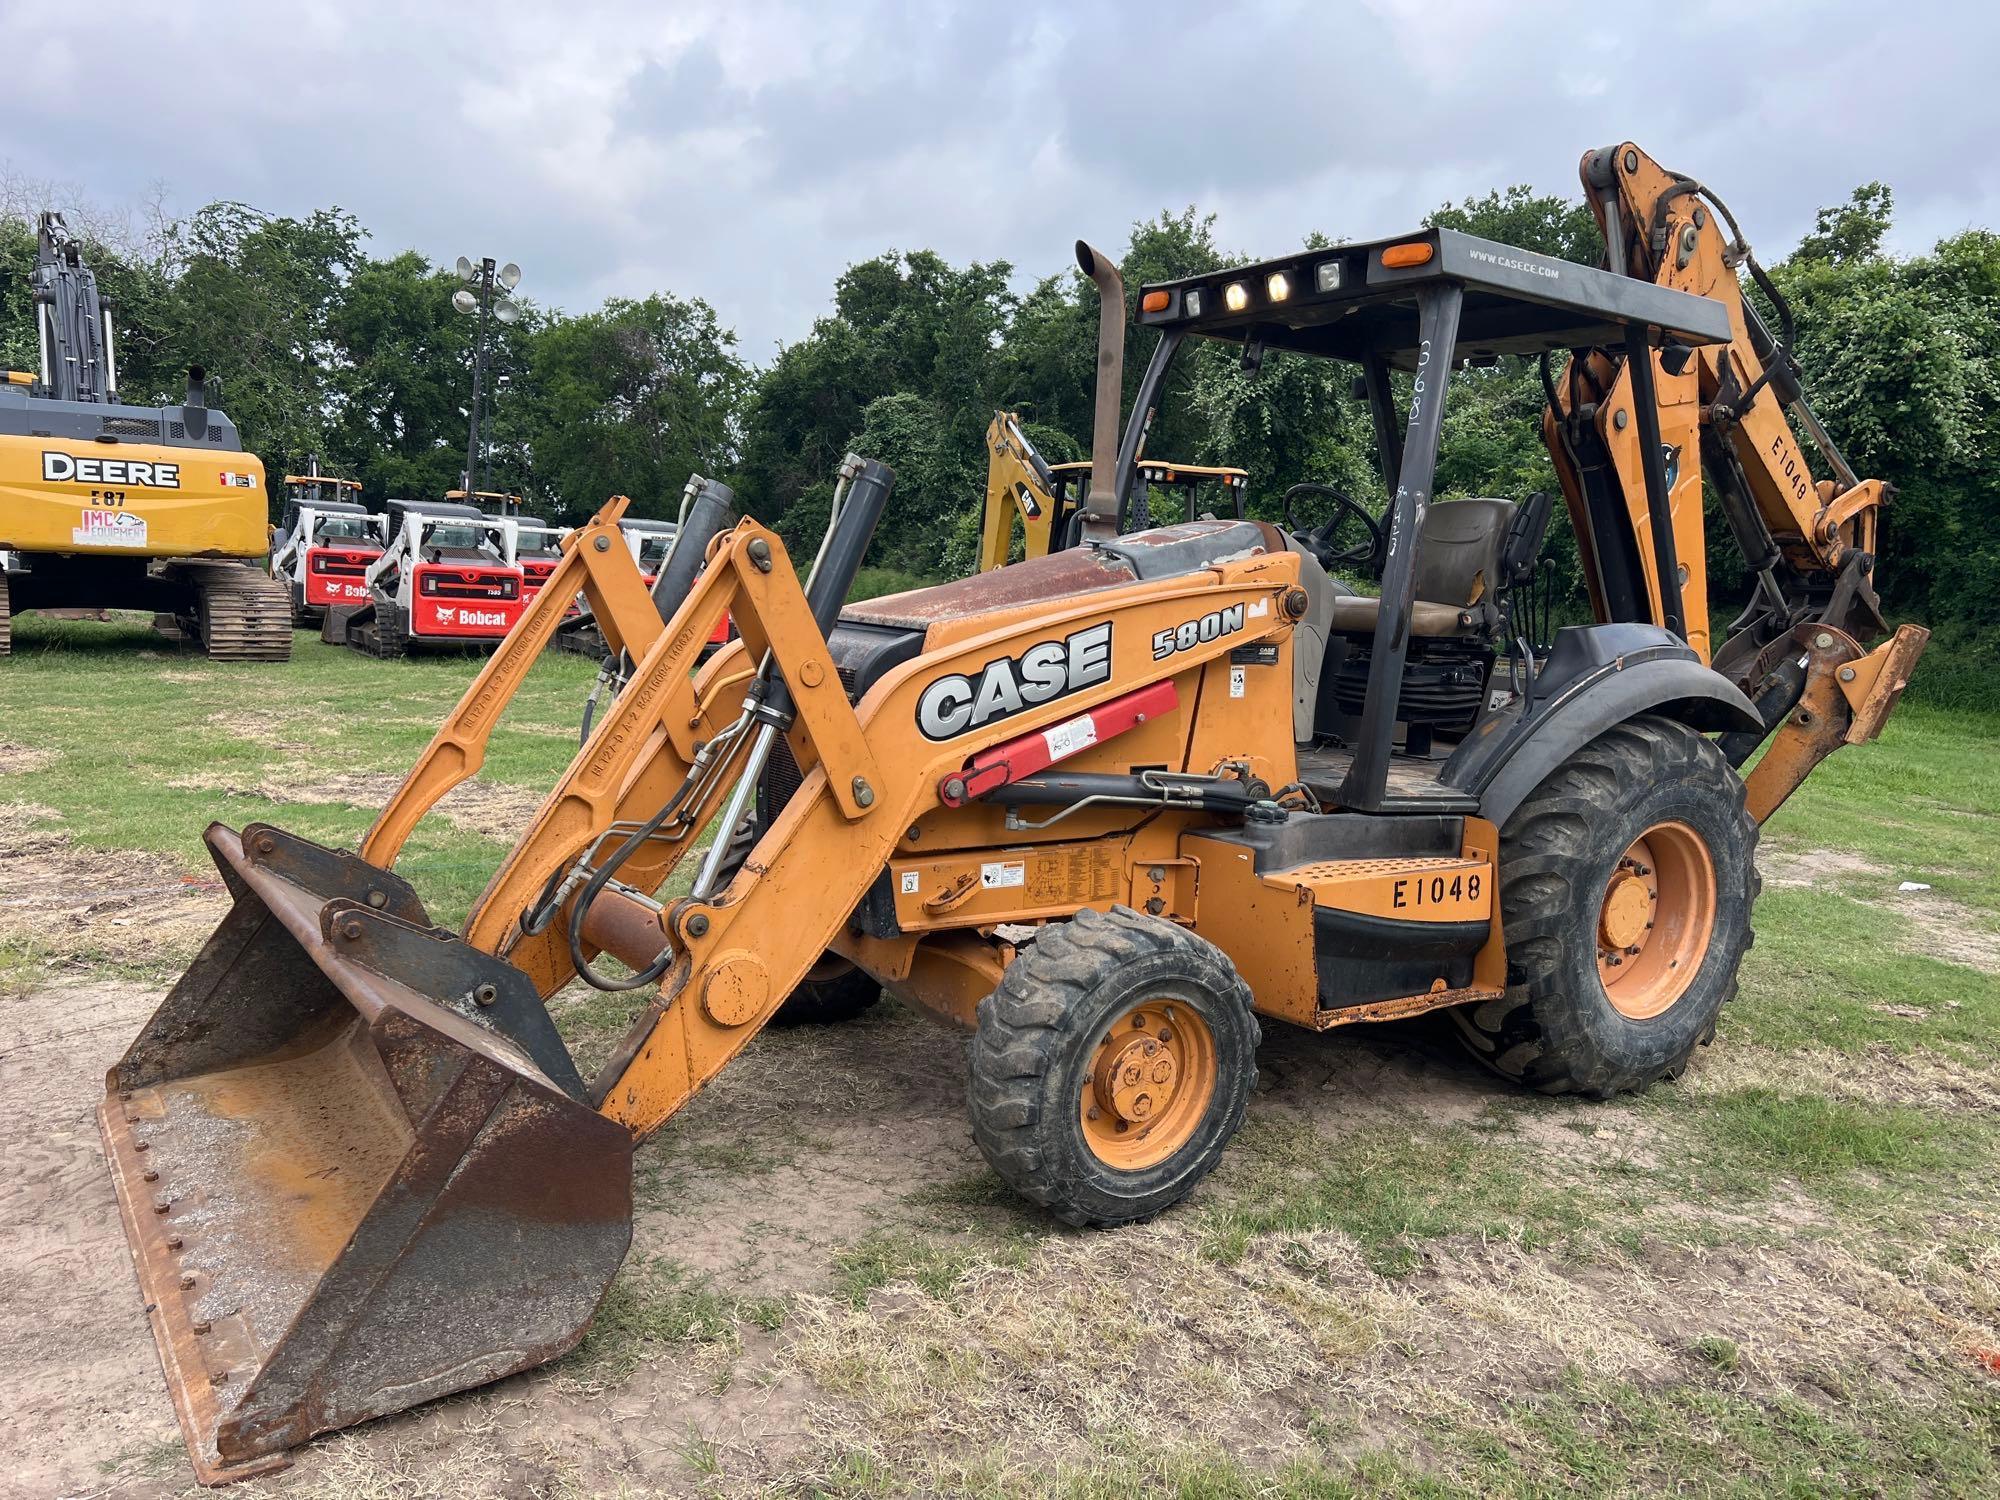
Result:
{"points": [[1597, 676]]}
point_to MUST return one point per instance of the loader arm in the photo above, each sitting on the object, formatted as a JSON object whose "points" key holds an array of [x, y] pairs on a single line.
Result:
{"points": [[595, 563], [1632, 431], [871, 772]]}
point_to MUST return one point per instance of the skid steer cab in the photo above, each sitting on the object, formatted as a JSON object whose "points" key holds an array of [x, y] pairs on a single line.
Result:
{"points": [[1113, 809], [533, 546], [323, 545], [444, 579], [651, 543]]}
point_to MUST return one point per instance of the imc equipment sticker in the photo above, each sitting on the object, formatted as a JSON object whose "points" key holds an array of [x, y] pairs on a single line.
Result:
{"points": [[109, 528]]}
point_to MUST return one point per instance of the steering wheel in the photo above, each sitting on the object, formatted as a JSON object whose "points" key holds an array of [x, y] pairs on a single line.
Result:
{"points": [[1319, 540]]}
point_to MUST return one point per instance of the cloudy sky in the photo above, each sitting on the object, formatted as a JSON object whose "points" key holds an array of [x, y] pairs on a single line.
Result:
{"points": [[746, 151]]}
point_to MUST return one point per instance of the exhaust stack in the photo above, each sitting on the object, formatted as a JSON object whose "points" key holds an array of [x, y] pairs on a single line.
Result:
{"points": [[1100, 506]]}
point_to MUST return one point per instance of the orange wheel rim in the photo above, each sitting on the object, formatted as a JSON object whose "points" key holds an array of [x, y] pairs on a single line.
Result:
{"points": [[1147, 1089], [1655, 920]]}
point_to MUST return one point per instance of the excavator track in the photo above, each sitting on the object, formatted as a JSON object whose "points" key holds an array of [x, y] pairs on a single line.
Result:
{"points": [[241, 613]]}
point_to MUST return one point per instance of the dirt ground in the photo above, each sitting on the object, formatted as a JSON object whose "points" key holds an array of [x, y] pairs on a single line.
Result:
{"points": [[827, 1288], [821, 1139]]}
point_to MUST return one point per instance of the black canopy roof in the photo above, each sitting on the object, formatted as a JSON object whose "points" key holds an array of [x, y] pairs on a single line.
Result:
{"points": [[443, 510], [1516, 301]]}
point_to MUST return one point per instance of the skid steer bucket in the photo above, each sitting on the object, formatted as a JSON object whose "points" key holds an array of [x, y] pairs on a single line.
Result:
{"points": [[357, 1166]]}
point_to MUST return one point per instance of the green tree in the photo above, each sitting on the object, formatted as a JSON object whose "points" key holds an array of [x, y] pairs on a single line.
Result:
{"points": [[630, 400], [402, 356], [901, 324], [252, 295]]}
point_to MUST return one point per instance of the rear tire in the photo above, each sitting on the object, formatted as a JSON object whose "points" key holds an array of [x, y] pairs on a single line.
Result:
{"points": [[1630, 869], [6, 618], [833, 991], [1112, 1066]]}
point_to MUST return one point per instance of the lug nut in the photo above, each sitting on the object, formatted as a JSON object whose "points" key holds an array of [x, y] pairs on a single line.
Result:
{"points": [[203, 1326], [160, 1205], [150, 1176], [174, 1242], [140, 1145], [187, 1283]]}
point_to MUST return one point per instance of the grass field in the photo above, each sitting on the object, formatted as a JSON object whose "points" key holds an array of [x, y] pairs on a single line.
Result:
{"points": [[1779, 1276]]}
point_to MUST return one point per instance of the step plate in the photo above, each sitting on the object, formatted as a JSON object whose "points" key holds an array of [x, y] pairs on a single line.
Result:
{"points": [[1418, 889]]}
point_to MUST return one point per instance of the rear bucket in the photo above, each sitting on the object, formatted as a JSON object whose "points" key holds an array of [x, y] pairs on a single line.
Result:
{"points": [[357, 1166]]}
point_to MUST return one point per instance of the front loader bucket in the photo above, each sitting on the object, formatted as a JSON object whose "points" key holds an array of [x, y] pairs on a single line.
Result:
{"points": [[357, 1167]]}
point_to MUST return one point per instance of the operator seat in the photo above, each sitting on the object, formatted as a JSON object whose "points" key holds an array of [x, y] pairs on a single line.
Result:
{"points": [[1460, 573]]}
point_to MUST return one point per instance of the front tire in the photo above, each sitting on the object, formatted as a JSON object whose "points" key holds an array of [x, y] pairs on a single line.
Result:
{"points": [[1626, 885], [1112, 1066]]}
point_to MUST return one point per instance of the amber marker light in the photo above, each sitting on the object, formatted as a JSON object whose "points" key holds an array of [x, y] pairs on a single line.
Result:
{"points": [[1415, 253]]}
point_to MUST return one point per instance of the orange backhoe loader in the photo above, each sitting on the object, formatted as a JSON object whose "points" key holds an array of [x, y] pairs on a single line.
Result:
{"points": [[1113, 809]]}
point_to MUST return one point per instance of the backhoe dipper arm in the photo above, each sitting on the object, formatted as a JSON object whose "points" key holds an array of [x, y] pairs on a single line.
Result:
{"points": [[1728, 409], [1017, 481]]}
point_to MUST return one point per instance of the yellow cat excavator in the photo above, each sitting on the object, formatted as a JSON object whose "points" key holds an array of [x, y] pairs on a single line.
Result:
{"points": [[1112, 808]]}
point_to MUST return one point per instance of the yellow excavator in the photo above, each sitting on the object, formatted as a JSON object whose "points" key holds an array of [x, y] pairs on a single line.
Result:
{"points": [[1113, 809], [105, 505], [1044, 499]]}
